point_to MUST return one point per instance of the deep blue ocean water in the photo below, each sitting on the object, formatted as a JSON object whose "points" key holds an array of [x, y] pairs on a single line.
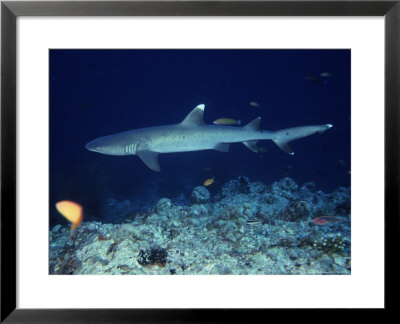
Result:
{"points": [[101, 92]]}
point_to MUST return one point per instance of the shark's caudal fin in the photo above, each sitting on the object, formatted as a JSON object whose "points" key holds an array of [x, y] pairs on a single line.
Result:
{"points": [[283, 137]]}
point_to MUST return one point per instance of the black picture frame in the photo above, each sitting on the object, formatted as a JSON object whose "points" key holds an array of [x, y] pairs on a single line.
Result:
{"points": [[10, 10]]}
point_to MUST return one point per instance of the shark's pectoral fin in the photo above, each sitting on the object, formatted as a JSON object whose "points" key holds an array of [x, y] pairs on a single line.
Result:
{"points": [[150, 159], [223, 147], [284, 146], [252, 145]]}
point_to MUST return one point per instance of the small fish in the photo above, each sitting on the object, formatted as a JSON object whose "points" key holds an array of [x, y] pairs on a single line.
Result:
{"points": [[253, 221], [71, 211], [315, 79], [342, 162], [208, 182], [262, 149], [226, 121], [254, 104], [326, 74], [325, 220], [207, 169]]}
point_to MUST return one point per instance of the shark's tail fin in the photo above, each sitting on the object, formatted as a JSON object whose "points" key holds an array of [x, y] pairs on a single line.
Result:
{"points": [[283, 137]]}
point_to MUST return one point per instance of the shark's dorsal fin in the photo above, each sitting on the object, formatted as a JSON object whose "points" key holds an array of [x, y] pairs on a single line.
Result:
{"points": [[195, 117], [150, 159], [254, 124]]}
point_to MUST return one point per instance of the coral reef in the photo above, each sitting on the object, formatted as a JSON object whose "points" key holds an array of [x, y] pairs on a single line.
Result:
{"points": [[245, 228]]}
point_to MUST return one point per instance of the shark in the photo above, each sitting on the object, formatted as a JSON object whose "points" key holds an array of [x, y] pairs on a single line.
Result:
{"points": [[193, 134]]}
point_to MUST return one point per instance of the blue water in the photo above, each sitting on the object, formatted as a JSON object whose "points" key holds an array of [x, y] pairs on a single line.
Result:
{"points": [[100, 92]]}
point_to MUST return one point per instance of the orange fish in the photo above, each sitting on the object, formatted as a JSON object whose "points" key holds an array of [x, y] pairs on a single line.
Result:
{"points": [[208, 182], [71, 211], [324, 220]]}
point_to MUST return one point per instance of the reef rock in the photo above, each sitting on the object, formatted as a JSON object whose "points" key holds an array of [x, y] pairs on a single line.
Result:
{"points": [[163, 206], [200, 195]]}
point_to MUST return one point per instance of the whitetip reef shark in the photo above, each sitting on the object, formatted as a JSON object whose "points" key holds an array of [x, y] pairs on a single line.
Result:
{"points": [[192, 134]]}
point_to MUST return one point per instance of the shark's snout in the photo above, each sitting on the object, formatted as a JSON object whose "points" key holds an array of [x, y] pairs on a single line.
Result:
{"points": [[93, 146], [106, 145]]}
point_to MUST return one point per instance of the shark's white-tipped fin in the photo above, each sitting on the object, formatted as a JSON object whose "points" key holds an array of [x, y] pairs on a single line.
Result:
{"points": [[195, 117]]}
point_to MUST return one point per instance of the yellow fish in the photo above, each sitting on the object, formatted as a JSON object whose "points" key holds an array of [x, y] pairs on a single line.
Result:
{"points": [[71, 211], [208, 182], [226, 121]]}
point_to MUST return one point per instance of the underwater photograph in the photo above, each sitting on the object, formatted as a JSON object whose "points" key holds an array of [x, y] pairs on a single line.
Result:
{"points": [[200, 161]]}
